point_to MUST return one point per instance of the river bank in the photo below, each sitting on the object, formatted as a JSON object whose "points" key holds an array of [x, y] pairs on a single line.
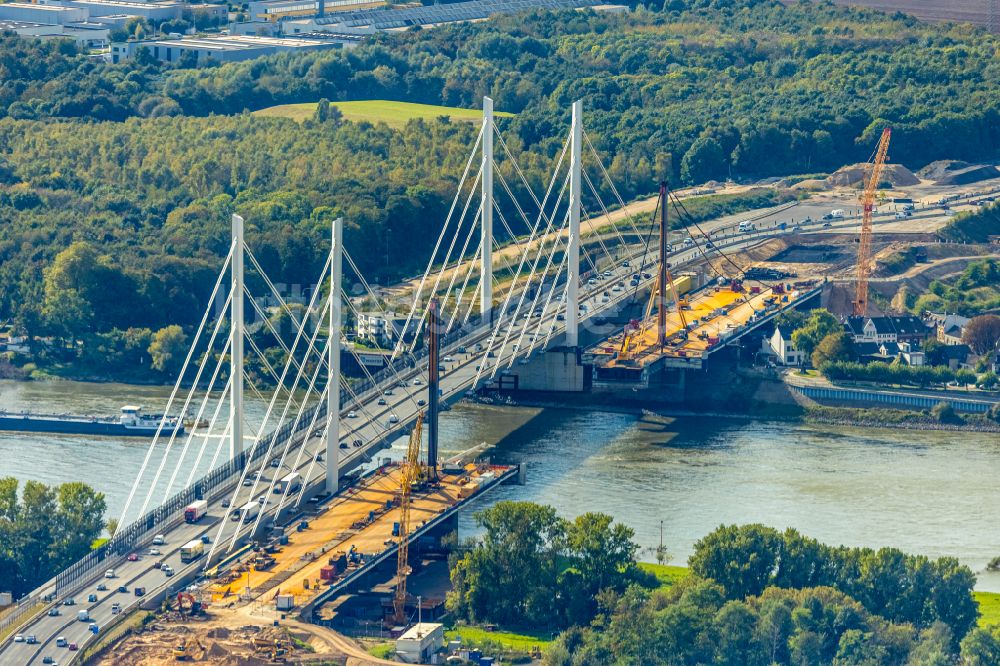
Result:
{"points": [[922, 492], [845, 416]]}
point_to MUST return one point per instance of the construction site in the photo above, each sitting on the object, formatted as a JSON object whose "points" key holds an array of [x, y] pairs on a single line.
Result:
{"points": [[372, 559]]}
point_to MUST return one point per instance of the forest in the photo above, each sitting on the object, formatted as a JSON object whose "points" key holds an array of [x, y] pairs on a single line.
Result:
{"points": [[752, 595], [145, 162]]}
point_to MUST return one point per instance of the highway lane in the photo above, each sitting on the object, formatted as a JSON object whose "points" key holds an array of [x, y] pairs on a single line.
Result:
{"points": [[457, 378]]}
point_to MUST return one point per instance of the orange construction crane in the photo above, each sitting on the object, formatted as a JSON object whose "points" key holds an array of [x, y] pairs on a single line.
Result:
{"points": [[411, 472], [868, 207]]}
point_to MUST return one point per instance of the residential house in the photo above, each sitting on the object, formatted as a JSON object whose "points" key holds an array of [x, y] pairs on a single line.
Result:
{"points": [[948, 328], [382, 329], [894, 328], [954, 356], [780, 346]]}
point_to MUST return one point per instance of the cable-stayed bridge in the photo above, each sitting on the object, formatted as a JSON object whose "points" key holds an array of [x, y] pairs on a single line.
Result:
{"points": [[494, 306]]}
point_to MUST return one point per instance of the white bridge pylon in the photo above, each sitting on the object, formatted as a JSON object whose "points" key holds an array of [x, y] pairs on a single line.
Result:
{"points": [[250, 410]]}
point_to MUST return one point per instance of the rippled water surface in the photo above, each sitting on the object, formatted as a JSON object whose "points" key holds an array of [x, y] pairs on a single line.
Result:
{"points": [[925, 492]]}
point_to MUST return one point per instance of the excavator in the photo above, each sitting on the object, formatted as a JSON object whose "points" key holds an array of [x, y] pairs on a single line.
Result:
{"points": [[184, 650], [187, 602], [412, 475]]}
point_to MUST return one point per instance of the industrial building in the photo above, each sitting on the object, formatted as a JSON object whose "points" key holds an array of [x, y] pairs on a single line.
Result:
{"points": [[42, 14], [278, 10], [372, 21], [222, 48], [151, 11], [84, 33], [420, 642]]}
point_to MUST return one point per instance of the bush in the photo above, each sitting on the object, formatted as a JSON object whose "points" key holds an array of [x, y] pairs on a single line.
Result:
{"points": [[944, 412]]}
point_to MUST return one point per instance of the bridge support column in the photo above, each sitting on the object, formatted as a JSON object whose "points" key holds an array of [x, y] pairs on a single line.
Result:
{"points": [[573, 250], [433, 330], [486, 219], [333, 361], [236, 345]]}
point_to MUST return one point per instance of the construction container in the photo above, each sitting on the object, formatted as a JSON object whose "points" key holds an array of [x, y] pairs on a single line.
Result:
{"points": [[284, 602], [327, 573], [486, 661], [283, 540], [395, 529]]}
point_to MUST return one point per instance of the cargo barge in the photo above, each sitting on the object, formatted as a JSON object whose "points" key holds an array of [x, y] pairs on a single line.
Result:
{"points": [[130, 423]]}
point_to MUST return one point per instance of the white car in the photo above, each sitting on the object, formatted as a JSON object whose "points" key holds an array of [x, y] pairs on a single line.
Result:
{"points": [[110, 573], [393, 418], [448, 359], [417, 382], [352, 415], [154, 551], [18, 638]]}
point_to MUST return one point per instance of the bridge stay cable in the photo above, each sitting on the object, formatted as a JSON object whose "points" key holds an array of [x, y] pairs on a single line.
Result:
{"points": [[201, 411], [187, 402], [270, 408], [437, 244], [173, 393], [445, 263]]}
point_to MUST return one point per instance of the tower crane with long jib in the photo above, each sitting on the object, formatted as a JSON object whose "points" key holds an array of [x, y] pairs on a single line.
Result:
{"points": [[411, 473], [865, 241]]}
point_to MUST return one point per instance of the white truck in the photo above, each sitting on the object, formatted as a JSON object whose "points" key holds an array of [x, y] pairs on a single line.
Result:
{"points": [[746, 225], [249, 512], [192, 550], [292, 481], [194, 511]]}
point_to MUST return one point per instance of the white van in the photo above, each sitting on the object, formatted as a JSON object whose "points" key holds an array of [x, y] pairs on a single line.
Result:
{"points": [[159, 540], [837, 213]]}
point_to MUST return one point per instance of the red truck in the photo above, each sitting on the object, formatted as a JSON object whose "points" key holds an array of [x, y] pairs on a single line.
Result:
{"points": [[194, 511]]}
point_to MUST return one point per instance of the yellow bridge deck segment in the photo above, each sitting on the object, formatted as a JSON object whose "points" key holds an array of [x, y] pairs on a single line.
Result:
{"points": [[343, 524], [719, 312]]}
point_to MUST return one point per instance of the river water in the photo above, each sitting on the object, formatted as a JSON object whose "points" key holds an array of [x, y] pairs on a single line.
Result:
{"points": [[924, 492]]}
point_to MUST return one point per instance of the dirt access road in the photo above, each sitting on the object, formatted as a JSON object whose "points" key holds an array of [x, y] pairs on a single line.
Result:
{"points": [[512, 252]]}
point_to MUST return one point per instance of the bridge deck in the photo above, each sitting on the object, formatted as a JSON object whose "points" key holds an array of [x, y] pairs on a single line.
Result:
{"points": [[714, 315], [361, 519]]}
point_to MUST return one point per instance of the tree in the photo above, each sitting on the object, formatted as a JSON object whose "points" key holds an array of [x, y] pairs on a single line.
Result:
{"points": [[322, 110], [836, 346], [168, 349], [982, 333], [48, 529], [981, 647], [35, 531], [532, 568], [601, 556], [741, 559], [509, 575], [703, 161], [79, 520], [819, 325]]}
